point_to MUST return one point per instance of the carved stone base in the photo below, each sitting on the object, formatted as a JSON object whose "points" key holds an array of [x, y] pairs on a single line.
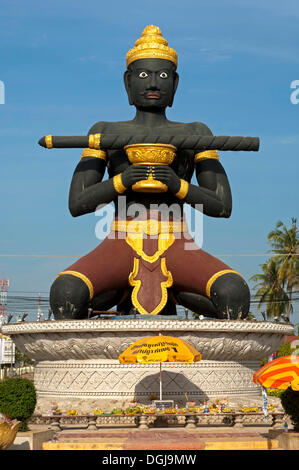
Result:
{"points": [[77, 360], [106, 382]]}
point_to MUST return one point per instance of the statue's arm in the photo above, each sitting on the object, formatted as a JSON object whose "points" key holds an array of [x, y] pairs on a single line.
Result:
{"points": [[88, 191], [213, 189]]}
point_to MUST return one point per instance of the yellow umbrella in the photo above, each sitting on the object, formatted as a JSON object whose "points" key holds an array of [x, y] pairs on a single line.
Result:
{"points": [[160, 349], [279, 373]]}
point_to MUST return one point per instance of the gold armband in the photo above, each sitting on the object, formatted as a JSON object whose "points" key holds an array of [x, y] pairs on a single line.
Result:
{"points": [[48, 141], [94, 141], [182, 193], [87, 152], [206, 155], [118, 184]]}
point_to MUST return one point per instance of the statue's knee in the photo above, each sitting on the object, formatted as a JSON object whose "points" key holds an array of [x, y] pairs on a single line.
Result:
{"points": [[69, 296], [231, 296]]}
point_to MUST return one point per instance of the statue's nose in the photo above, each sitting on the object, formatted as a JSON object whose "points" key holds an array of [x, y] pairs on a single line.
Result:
{"points": [[152, 82]]}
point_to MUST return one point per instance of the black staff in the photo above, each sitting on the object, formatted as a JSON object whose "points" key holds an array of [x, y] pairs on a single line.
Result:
{"points": [[115, 141]]}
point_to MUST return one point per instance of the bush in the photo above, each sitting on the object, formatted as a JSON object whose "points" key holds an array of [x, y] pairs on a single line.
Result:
{"points": [[18, 400], [290, 403], [285, 349], [274, 392]]}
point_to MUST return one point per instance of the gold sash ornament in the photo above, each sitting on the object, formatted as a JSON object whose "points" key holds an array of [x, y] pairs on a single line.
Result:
{"points": [[149, 271]]}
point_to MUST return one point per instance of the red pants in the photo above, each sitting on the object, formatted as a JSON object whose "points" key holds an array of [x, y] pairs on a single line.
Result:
{"points": [[108, 267]]}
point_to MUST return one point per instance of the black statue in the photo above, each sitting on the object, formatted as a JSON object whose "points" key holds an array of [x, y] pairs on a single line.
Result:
{"points": [[151, 271]]}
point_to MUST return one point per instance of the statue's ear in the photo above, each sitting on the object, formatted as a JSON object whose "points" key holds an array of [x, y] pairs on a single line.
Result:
{"points": [[175, 85], [127, 77]]}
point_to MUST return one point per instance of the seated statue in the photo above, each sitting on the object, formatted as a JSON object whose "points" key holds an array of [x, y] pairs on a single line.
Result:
{"points": [[143, 263]]}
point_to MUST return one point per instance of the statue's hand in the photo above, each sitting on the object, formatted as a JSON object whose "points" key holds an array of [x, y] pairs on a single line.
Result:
{"points": [[166, 175], [134, 173]]}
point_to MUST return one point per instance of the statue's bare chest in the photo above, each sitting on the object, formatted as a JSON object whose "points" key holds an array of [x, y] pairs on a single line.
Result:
{"points": [[118, 160]]}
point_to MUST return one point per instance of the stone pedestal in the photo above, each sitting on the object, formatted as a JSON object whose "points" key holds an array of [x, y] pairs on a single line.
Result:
{"points": [[77, 360]]}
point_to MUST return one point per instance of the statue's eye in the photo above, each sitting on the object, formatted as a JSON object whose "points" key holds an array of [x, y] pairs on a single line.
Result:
{"points": [[143, 75], [163, 75]]}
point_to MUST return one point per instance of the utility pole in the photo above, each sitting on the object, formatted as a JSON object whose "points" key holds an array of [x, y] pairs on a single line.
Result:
{"points": [[39, 310], [4, 285]]}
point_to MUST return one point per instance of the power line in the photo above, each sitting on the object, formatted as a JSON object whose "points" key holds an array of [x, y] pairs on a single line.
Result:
{"points": [[80, 256]]}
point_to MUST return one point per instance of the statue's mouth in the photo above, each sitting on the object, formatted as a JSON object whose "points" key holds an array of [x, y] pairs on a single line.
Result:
{"points": [[153, 95]]}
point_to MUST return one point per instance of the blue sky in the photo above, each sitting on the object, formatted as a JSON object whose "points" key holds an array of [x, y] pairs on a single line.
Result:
{"points": [[62, 63]]}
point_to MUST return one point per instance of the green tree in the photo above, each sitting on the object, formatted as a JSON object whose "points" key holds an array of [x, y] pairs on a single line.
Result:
{"points": [[21, 358], [269, 290], [285, 243], [285, 349]]}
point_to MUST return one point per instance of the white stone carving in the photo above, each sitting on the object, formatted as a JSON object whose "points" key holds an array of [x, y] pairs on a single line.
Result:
{"points": [[77, 360], [106, 339]]}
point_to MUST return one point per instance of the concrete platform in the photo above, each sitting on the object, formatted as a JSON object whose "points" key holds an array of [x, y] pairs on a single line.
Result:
{"points": [[163, 439], [31, 440]]}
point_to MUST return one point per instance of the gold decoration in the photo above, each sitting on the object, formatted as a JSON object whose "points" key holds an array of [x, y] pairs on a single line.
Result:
{"points": [[84, 279], [136, 243], [48, 141], [118, 184], [215, 276], [206, 155], [8, 434], [151, 45], [94, 141], [149, 227], [87, 152], [182, 193], [137, 284], [150, 154]]}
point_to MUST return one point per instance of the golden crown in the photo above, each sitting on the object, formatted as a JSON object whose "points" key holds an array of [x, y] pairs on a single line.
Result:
{"points": [[151, 45]]}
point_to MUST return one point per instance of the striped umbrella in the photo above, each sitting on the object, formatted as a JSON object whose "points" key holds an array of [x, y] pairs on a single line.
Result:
{"points": [[279, 373]]}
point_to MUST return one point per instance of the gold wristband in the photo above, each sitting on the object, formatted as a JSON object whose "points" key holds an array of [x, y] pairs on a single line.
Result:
{"points": [[49, 142], [206, 155], [118, 184], [87, 152], [94, 141], [182, 193]]}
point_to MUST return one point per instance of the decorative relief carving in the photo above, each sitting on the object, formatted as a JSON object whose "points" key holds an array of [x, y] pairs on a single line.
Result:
{"points": [[87, 339], [77, 360], [114, 379]]}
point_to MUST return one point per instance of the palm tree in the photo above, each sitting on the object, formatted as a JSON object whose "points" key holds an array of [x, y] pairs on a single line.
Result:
{"points": [[269, 290], [285, 243]]}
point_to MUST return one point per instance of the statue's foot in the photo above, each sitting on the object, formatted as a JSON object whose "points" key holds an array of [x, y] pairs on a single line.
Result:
{"points": [[197, 303], [229, 299], [230, 295], [69, 297]]}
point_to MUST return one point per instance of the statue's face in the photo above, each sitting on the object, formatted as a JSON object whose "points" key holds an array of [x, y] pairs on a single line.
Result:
{"points": [[151, 83]]}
